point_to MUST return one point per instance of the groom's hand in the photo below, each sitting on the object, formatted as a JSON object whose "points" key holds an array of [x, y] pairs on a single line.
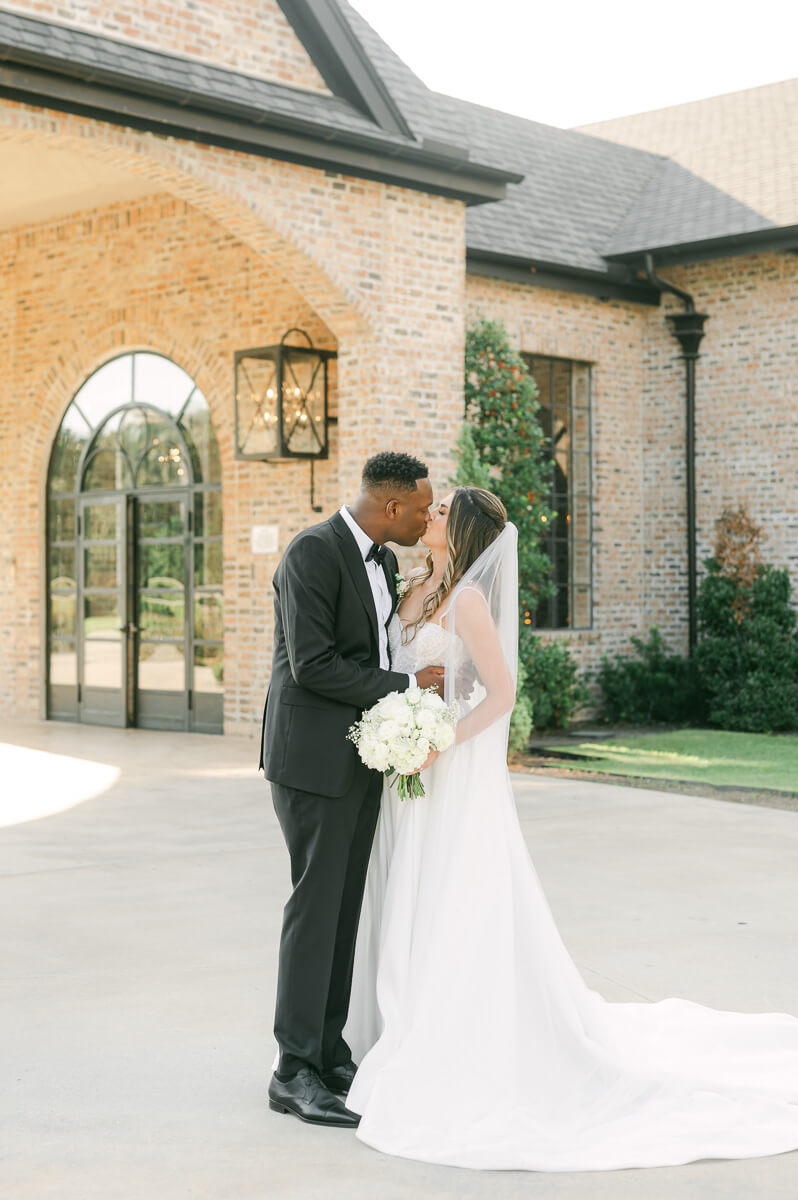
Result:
{"points": [[431, 677], [466, 678]]}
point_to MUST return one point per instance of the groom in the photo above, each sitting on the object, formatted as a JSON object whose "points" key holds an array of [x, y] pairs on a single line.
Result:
{"points": [[335, 591]]}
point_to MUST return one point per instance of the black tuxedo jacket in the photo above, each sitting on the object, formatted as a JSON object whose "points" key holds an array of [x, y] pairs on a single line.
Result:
{"points": [[325, 669]]}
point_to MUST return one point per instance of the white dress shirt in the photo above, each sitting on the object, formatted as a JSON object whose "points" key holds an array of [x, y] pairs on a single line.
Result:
{"points": [[383, 602]]}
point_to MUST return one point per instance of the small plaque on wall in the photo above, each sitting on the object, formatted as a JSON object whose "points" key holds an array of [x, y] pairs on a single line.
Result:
{"points": [[265, 539]]}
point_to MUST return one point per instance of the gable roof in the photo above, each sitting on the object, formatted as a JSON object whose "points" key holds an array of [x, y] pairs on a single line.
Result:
{"points": [[565, 207], [594, 201], [118, 80], [743, 143]]}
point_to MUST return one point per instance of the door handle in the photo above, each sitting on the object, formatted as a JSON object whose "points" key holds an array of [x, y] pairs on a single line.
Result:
{"points": [[128, 628]]}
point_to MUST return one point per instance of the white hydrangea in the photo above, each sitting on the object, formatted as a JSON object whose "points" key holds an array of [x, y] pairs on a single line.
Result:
{"points": [[396, 735]]}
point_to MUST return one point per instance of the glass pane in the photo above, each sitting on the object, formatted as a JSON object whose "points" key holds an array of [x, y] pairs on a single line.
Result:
{"points": [[207, 514], [102, 664], [198, 428], [208, 564], [561, 390], [134, 433], [69, 443], [162, 667], [162, 465], [209, 616], [108, 436], [63, 614], [544, 416], [101, 617], [209, 669], [144, 429], [303, 402], [162, 616], [62, 568], [106, 389], [541, 373], [63, 663], [561, 614], [99, 566], [161, 518], [162, 566], [158, 381], [558, 553], [107, 470], [580, 386], [256, 398], [100, 522], [61, 523]]}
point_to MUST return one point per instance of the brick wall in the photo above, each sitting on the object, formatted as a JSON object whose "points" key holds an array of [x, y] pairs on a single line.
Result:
{"points": [[746, 420], [746, 433], [228, 252], [250, 36]]}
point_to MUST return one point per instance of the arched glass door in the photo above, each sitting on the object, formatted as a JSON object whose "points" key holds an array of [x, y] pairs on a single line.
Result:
{"points": [[135, 602]]}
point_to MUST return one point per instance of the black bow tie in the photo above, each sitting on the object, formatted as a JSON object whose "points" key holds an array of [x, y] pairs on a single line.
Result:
{"points": [[377, 553]]}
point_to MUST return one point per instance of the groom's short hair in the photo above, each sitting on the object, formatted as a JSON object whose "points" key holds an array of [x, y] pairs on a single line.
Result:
{"points": [[393, 472]]}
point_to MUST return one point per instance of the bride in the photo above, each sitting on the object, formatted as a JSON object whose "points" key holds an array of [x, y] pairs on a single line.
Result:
{"points": [[479, 1043]]}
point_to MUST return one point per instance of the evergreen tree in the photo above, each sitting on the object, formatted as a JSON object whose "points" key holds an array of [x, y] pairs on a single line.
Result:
{"points": [[503, 448]]}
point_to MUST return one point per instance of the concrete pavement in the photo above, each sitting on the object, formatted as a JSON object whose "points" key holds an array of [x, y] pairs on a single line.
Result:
{"points": [[142, 880]]}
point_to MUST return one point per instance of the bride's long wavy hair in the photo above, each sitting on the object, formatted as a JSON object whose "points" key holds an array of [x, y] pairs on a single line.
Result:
{"points": [[476, 518]]}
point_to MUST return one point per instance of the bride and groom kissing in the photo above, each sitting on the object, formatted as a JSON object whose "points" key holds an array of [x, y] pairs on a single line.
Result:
{"points": [[417, 941]]}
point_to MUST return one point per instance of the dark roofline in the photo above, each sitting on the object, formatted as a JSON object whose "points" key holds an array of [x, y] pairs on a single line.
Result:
{"points": [[343, 64], [779, 238], [617, 285], [149, 100]]}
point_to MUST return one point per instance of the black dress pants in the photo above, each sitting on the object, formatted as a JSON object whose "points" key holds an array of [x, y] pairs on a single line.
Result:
{"points": [[329, 842]]}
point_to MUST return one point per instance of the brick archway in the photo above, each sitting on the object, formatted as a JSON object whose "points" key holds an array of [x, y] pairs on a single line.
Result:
{"points": [[267, 205]]}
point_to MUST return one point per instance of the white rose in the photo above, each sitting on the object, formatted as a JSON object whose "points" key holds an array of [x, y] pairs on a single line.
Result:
{"points": [[444, 738], [382, 759], [393, 708]]}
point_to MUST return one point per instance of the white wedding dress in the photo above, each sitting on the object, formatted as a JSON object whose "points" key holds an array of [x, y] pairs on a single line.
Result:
{"points": [[479, 1043]]}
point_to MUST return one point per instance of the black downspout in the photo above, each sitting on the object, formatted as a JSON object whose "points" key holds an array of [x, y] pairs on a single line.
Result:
{"points": [[688, 328]]}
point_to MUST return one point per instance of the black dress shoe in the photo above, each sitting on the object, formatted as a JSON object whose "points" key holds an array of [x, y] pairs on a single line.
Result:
{"points": [[307, 1098], [339, 1079]]}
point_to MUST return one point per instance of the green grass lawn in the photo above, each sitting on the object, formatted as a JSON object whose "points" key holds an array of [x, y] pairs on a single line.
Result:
{"points": [[745, 760]]}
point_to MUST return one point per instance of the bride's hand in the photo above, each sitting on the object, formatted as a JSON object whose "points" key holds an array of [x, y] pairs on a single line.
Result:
{"points": [[433, 754]]}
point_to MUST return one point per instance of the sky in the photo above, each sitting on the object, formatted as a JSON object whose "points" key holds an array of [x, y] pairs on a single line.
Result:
{"points": [[571, 62]]}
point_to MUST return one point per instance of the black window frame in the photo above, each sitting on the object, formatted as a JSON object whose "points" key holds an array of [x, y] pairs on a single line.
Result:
{"points": [[558, 613]]}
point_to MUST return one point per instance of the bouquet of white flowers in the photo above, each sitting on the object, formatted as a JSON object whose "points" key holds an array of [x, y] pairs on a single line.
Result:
{"points": [[397, 733]]}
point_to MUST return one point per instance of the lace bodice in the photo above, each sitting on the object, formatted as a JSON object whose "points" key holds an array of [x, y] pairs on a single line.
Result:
{"points": [[428, 648]]}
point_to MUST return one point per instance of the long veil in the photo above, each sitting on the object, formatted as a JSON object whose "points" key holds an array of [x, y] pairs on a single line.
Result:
{"points": [[482, 616], [490, 1050]]}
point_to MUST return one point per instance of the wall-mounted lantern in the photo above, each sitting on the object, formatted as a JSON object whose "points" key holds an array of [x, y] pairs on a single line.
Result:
{"points": [[281, 401]]}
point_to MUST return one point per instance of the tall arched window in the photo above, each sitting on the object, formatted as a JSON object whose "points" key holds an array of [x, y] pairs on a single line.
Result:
{"points": [[134, 533]]}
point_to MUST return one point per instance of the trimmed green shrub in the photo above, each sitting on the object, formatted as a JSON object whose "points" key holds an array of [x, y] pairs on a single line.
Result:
{"points": [[657, 686], [505, 450], [552, 681], [748, 667], [747, 654], [521, 718]]}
